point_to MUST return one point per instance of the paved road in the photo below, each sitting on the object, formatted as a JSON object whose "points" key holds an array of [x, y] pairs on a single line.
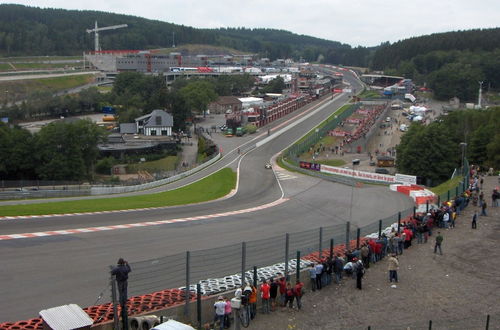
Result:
{"points": [[43, 272]]}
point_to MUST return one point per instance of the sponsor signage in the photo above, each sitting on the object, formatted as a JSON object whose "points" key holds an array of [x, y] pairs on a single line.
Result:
{"points": [[369, 176], [406, 179], [347, 90], [336, 90], [310, 166]]}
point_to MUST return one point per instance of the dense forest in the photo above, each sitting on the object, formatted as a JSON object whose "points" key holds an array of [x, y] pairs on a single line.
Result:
{"points": [[449, 63], [34, 31], [434, 151]]}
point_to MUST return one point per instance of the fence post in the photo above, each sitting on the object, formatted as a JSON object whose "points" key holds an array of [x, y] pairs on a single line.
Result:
{"points": [[347, 230], [186, 291], [456, 191], [487, 321], [116, 316], [255, 276], [448, 196], [399, 222], [414, 211], [427, 206], [297, 271], [320, 241], [430, 324], [287, 247], [243, 262], [358, 234], [379, 229], [331, 248], [198, 304], [439, 200]]}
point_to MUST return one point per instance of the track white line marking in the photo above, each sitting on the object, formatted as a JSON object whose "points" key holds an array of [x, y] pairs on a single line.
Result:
{"points": [[139, 224]]}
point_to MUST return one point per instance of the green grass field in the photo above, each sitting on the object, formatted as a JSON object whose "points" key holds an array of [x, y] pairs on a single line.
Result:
{"points": [[21, 89], [215, 186], [168, 163]]}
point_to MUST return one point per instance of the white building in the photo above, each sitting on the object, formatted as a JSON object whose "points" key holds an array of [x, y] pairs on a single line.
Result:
{"points": [[156, 123]]}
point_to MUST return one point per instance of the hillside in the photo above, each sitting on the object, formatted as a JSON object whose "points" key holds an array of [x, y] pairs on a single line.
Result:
{"points": [[450, 63], [34, 31]]}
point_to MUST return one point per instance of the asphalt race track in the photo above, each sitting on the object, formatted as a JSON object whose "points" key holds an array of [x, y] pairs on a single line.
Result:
{"points": [[44, 272]]}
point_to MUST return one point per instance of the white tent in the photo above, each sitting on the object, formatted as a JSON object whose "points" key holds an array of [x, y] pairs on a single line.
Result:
{"points": [[173, 325]]}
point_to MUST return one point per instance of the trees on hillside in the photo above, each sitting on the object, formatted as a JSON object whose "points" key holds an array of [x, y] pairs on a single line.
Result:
{"points": [[434, 151]]}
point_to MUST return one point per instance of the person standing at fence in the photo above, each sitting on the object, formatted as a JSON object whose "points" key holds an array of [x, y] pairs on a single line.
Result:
{"points": [[474, 221], [220, 311], [252, 300], [312, 276], [338, 268], [121, 272], [289, 295], [494, 197], [439, 241], [264, 294], [319, 271], [297, 290], [393, 268], [364, 252], [282, 286], [273, 293]]}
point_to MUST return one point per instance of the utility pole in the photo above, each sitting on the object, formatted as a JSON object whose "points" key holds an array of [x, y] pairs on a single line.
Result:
{"points": [[173, 39]]}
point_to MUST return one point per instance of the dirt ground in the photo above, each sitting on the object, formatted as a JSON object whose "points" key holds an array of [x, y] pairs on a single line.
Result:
{"points": [[456, 290]]}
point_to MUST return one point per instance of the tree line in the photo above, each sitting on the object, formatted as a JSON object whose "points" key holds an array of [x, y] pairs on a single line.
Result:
{"points": [[435, 150]]}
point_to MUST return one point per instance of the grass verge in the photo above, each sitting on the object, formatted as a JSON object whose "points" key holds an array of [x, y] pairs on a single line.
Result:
{"points": [[447, 185], [212, 187], [168, 163]]}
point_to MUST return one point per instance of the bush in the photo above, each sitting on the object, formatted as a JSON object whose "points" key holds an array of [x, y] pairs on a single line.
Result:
{"points": [[104, 165], [250, 129]]}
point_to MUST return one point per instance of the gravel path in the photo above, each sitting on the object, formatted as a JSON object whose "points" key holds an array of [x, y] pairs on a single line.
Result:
{"points": [[455, 290]]}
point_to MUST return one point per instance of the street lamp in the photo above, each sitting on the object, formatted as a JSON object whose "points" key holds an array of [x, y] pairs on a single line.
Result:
{"points": [[354, 163], [463, 145]]}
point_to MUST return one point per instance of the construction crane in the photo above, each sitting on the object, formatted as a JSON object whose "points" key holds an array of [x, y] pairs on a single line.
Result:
{"points": [[97, 29]]}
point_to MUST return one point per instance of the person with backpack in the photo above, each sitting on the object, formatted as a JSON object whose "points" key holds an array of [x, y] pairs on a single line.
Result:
{"points": [[439, 240], [359, 269]]}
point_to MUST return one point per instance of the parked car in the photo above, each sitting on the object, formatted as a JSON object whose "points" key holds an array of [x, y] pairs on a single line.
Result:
{"points": [[381, 171]]}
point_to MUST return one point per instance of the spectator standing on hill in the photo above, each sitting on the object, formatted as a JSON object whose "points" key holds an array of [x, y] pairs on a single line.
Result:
{"points": [[227, 313], [312, 276], [494, 198], [338, 268], [297, 290], [121, 275], [481, 198], [474, 221], [220, 311], [360, 272], [439, 241], [264, 291], [273, 293], [393, 268], [483, 208]]}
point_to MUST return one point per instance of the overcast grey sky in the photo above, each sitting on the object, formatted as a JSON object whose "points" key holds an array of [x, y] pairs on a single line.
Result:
{"points": [[355, 22]]}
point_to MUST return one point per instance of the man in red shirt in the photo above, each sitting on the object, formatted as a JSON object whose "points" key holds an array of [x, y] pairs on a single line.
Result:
{"points": [[264, 291], [298, 293], [282, 284]]}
